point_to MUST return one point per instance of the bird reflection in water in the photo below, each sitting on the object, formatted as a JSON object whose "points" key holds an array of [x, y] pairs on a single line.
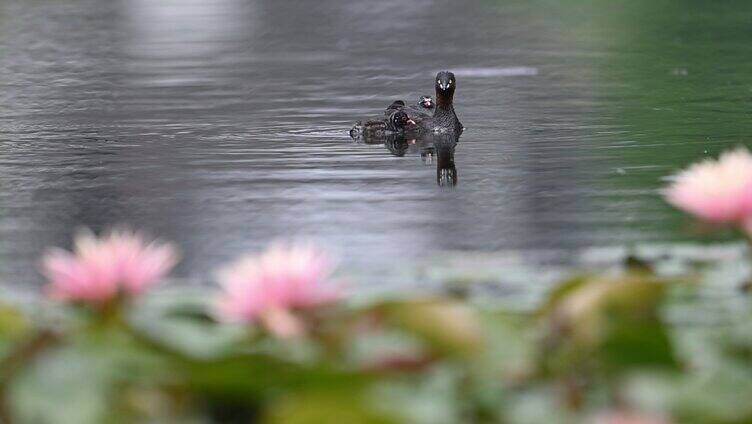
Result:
{"points": [[397, 145], [433, 148], [446, 171]]}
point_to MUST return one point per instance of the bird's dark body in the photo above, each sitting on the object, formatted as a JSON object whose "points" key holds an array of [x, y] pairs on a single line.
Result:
{"points": [[380, 127], [444, 118], [425, 106], [415, 120]]}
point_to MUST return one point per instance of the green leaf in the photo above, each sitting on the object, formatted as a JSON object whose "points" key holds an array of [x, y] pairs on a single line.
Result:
{"points": [[84, 380], [14, 327], [13, 324], [250, 376], [63, 387], [433, 397], [718, 396], [325, 407], [179, 323], [450, 327], [560, 291], [607, 323]]}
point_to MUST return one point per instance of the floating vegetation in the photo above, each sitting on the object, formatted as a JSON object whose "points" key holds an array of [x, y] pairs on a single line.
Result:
{"points": [[655, 340]]}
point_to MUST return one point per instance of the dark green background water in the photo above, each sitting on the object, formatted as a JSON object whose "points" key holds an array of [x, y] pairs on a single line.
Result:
{"points": [[223, 124]]}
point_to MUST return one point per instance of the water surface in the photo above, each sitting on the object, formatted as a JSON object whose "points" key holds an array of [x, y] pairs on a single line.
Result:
{"points": [[222, 124]]}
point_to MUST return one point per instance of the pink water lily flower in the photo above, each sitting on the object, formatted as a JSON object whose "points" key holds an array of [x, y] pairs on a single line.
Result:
{"points": [[99, 269], [273, 287], [716, 191]]}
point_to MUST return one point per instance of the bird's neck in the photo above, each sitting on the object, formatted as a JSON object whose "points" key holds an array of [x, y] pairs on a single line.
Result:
{"points": [[444, 99], [444, 106]]}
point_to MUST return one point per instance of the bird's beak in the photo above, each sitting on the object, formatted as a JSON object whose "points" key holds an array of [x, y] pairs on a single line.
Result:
{"points": [[411, 122]]}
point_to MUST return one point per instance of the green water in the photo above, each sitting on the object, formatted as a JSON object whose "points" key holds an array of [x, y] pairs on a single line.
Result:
{"points": [[672, 81]]}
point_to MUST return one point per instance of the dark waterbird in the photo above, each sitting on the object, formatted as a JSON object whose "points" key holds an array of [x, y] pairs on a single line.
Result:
{"points": [[425, 106], [426, 116], [426, 102], [432, 127], [395, 106], [397, 121], [444, 118]]}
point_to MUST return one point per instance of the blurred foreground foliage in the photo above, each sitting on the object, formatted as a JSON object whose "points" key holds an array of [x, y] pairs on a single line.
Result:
{"points": [[627, 344]]}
